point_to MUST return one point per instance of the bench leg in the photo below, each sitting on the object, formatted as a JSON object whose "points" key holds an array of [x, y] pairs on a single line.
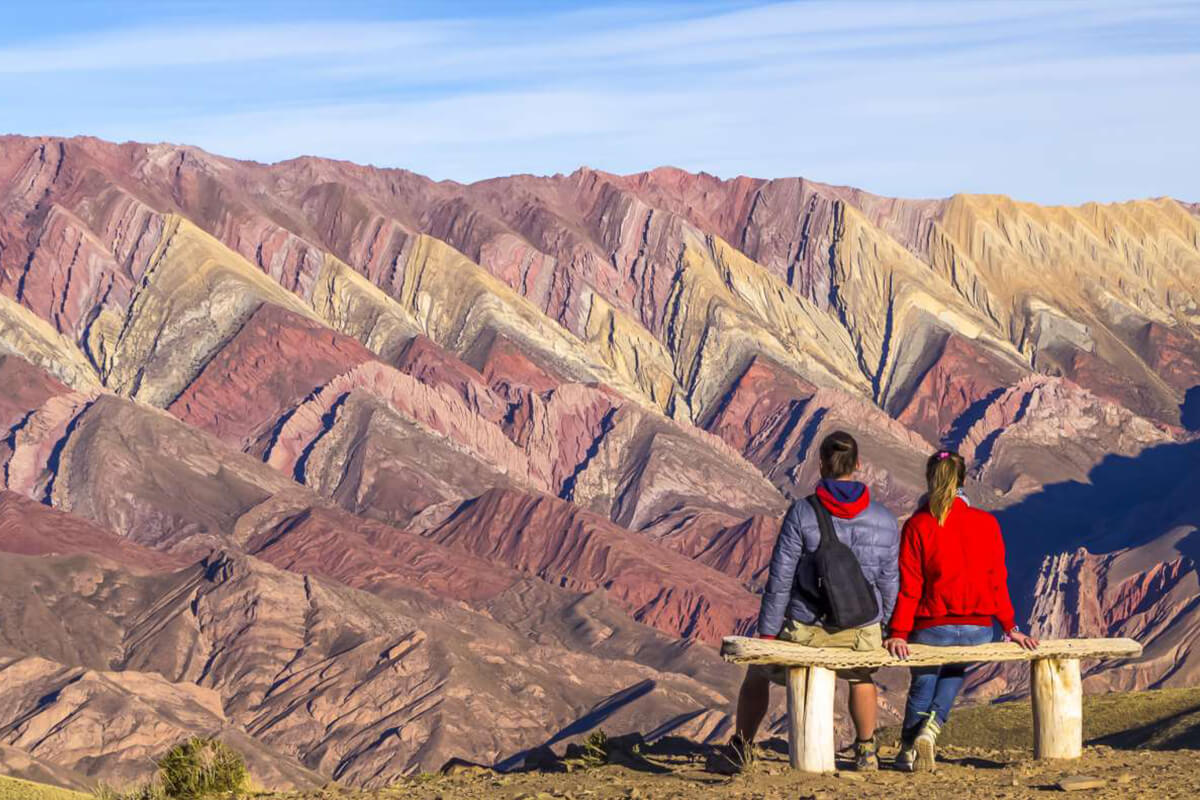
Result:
{"points": [[1057, 708], [810, 718]]}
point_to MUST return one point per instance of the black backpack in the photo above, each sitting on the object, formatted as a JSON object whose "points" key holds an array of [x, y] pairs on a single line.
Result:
{"points": [[845, 595]]}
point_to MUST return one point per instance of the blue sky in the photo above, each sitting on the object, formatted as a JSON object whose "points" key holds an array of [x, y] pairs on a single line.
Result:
{"points": [[1048, 101]]}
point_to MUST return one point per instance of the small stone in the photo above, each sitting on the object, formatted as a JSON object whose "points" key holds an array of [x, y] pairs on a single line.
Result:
{"points": [[850, 776], [1079, 782], [1124, 778]]}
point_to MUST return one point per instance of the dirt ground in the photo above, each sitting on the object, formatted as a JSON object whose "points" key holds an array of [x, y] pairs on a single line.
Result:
{"points": [[964, 773], [1142, 745]]}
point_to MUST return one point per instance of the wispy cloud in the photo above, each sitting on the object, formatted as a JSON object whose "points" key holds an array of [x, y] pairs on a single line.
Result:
{"points": [[149, 47], [905, 98]]}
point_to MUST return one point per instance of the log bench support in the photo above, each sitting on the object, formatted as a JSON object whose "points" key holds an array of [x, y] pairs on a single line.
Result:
{"points": [[810, 693], [1055, 686], [1057, 696]]}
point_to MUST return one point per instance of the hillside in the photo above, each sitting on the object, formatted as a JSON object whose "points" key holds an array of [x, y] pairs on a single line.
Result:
{"points": [[365, 472]]}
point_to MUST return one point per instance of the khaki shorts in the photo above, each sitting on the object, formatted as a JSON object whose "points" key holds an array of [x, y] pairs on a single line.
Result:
{"points": [[869, 637]]}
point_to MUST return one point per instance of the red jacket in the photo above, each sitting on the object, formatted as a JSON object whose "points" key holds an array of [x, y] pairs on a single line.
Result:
{"points": [[952, 574]]}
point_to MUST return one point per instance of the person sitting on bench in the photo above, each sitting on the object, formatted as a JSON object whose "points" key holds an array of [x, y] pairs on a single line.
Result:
{"points": [[836, 538], [953, 583]]}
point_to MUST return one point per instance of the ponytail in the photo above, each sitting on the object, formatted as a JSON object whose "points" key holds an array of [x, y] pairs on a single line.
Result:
{"points": [[945, 472]]}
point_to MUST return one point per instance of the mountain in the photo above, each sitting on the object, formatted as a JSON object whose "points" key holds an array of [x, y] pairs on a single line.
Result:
{"points": [[363, 471]]}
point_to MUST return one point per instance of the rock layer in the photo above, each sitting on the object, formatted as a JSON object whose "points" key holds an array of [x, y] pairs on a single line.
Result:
{"points": [[460, 467], [320, 681]]}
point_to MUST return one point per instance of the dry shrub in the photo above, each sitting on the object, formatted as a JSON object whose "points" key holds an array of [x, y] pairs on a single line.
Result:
{"points": [[199, 768]]}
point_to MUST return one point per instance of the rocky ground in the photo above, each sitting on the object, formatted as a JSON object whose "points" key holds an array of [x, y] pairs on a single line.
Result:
{"points": [[1140, 745], [964, 773], [683, 774]]}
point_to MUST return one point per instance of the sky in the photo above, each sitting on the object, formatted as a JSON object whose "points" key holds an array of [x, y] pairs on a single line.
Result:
{"points": [[1054, 101]]}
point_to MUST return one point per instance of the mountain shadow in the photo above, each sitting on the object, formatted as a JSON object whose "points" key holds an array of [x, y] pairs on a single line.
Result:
{"points": [[592, 719], [1126, 502], [1189, 410], [1179, 731]]}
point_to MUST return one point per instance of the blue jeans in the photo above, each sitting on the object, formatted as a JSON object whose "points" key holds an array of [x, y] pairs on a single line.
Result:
{"points": [[935, 688]]}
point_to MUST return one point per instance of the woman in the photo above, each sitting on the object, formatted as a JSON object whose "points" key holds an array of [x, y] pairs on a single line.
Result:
{"points": [[953, 584]]}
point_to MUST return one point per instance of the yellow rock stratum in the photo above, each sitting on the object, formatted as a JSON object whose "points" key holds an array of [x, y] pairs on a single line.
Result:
{"points": [[194, 295], [1143, 255], [459, 305], [25, 334], [350, 303], [724, 308]]}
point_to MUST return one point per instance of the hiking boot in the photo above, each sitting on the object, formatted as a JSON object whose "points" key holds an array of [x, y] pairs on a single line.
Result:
{"points": [[866, 759], [926, 745], [907, 756], [739, 753]]}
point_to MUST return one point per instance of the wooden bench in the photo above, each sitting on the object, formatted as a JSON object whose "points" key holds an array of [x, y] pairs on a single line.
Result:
{"points": [[1057, 692]]}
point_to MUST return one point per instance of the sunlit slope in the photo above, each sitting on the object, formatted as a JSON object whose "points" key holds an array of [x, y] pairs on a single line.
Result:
{"points": [[25, 334], [194, 295]]}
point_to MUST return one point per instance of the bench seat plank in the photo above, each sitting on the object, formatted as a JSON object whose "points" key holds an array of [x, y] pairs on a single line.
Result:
{"points": [[1056, 689], [746, 650]]}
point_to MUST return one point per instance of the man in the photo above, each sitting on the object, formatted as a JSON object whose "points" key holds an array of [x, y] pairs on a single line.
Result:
{"points": [[791, 607]]}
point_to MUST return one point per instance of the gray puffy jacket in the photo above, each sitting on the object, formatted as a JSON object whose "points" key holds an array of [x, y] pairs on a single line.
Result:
{"points": [[873, 535]]}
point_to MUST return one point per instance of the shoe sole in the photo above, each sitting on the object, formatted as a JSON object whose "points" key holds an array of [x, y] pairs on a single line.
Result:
{"points": [[925, 759]]}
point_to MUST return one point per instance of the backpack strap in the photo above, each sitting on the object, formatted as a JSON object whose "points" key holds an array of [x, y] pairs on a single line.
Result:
{"points": [[814, 599], [817, 600], [824, 520]]}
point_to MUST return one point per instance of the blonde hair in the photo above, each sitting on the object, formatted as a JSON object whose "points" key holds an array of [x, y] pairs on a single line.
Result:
{"points": [[945, 472]]}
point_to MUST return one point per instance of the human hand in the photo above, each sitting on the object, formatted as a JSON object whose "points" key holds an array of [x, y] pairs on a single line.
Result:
{"points": [[897, 647], [1027, 642]]}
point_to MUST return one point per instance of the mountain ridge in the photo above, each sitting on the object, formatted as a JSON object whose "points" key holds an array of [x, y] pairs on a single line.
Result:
{"points": [[661, 168], [594, 392]]}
